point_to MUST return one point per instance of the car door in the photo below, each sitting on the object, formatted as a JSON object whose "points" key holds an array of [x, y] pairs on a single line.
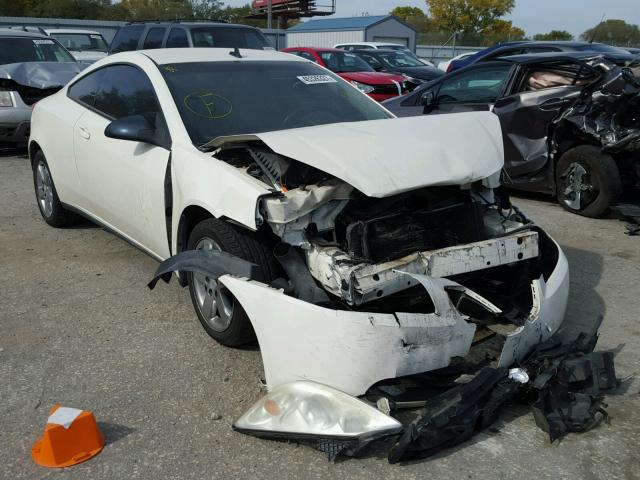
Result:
{"points": [[541, 93], [123, 181], [473, 89]]}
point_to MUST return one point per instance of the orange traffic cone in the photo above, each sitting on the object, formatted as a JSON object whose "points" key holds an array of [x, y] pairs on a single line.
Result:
{"points": [[71, 436]]}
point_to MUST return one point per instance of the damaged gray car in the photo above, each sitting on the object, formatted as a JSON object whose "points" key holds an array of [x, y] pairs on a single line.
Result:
{"points": [[569, 121], [32, 67]]}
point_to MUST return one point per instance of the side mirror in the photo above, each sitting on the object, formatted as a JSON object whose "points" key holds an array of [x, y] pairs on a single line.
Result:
{"points": [[427, 99], [135, 128]]}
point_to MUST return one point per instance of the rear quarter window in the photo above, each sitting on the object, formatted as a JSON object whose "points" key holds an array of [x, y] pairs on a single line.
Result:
{"points": [[127, 39]]}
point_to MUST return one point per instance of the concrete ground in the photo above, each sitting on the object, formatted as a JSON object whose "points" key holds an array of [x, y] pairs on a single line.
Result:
{"points": [[79, 326]]}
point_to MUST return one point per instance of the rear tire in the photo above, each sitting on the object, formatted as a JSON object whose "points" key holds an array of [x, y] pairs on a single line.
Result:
{"points": [[220, 314], [47, 199], [587, 181]]}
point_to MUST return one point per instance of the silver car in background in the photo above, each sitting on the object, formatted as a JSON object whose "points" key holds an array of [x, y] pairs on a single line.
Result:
{"points": [[32, 67]]}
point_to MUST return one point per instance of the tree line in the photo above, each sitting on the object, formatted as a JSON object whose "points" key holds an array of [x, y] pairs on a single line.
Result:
{"points": [[481, 22]]}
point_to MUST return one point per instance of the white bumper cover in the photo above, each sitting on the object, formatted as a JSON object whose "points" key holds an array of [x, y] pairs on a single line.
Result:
{"points": [[351, 351]]}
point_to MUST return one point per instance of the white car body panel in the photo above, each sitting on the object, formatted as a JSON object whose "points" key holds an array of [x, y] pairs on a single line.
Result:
{"points": [[387, 157], [89, 56], [351, 351]]}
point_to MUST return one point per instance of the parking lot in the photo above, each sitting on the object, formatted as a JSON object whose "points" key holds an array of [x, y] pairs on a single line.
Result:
{"points": [[78, 326]]}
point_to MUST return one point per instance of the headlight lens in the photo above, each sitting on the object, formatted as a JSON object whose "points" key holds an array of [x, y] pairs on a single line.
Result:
{"points": [[307, 408], [362, 87], [5, 99]]}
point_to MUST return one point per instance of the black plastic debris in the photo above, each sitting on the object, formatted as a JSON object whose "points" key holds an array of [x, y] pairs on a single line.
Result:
{"points": [[206, 262], [631, 214], [566, 378]]}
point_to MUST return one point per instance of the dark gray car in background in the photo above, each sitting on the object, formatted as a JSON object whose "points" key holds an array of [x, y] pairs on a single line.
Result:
{"points": [[179, 34], [570, 122]]}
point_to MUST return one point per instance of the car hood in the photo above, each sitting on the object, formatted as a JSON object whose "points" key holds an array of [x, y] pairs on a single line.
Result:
{"points": [[386, 157], [372, 78], [41, 75]]}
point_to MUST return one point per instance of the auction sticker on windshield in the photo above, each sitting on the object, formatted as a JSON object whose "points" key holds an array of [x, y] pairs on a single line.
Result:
{"points": [[43, 42], [314, 79]]}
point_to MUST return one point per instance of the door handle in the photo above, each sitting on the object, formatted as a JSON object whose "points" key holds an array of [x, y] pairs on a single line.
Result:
{"points": [[554, 104], [84, 133]]}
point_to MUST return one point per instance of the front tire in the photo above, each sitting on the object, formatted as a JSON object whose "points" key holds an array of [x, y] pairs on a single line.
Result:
{"points": [[220, 314], [587, 181], [49, 204]]}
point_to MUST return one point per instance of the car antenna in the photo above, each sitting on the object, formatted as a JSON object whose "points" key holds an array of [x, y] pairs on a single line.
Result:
{"points": [[235, 53], [595, 30]]}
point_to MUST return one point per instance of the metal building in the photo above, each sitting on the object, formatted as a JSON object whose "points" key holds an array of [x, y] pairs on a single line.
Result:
{"points": [[327, 32]]}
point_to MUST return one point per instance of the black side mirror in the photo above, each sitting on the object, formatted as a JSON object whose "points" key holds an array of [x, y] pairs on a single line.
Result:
{"points": [[427, 99], [135, 128]]}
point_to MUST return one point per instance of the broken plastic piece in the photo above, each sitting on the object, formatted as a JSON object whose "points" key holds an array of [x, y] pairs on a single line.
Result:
{"points": [[518, 375], [207, 262]]}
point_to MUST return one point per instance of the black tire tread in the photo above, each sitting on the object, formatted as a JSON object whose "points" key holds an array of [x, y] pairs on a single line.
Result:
{"points": [[244, 244], [604, 167], [60, 216]]}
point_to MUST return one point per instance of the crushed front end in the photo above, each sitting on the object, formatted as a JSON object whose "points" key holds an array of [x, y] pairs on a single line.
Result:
{"points": [[414, 266]]}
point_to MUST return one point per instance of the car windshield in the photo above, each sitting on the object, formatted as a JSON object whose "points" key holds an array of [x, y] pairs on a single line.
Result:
{"points": [[599, 47], [233, 98], [399, 59], [82, 41], [19, 50], [228, 37], [341, 62]]}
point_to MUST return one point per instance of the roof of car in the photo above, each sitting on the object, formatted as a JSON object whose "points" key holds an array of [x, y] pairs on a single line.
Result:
{"points": [[220, 24], [376, 51], [163, 56], [9, 32], [71, 30], [372, 44], [313, 49], [537, 57]]}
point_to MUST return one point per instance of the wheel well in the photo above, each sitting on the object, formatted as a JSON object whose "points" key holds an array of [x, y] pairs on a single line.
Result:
{"points": [[189, 218], [33, 149]]}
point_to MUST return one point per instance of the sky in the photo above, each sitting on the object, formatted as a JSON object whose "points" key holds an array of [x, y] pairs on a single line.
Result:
{"points": [[534, 16]]}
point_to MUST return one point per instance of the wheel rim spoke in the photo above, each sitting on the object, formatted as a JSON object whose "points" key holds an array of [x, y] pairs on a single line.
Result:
{"points": [[216, 306]]}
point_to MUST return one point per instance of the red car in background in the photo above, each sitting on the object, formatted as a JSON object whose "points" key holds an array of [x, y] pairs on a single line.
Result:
{"points": [[379, 86]]}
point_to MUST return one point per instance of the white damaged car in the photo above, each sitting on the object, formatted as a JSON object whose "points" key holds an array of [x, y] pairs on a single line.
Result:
{"points": [[355, 246]]}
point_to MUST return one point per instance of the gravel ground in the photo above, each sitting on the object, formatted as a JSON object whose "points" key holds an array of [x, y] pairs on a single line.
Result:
{"points": [[79, 326]]}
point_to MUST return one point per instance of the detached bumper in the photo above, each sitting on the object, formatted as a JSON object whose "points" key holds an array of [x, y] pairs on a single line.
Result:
{"points": [[351, 351]]}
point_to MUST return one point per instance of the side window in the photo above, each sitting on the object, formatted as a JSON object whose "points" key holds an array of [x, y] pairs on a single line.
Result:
{"points": [[127, 39], [481, 85], [371, 60], [307, 56], [154, 38], [177, 38], [85, 89], [124, 91], [556, 74]]}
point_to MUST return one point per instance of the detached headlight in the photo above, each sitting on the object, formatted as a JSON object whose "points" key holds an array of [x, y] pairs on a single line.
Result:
{"points": [[362, 87], [306, 411], [6, 100]]}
